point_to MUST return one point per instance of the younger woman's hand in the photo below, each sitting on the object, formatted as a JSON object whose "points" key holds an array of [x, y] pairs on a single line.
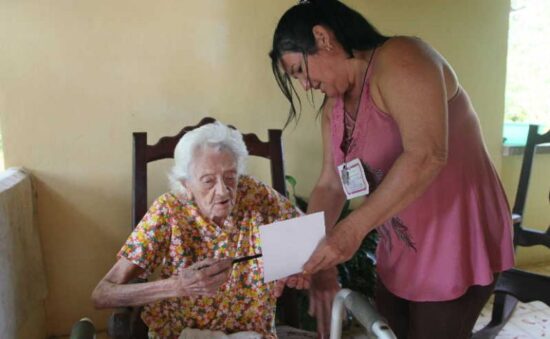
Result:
{"points": [[337, 247]]}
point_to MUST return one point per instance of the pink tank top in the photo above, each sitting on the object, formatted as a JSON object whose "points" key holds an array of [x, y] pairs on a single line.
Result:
{"points": [[459, 232]]}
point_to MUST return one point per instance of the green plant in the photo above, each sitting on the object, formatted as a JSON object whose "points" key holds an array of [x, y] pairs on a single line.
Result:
{"points": [[358, 273]]}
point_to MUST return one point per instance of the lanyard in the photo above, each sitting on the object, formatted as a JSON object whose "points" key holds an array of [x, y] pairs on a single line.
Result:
{"points": [[348, 140]]}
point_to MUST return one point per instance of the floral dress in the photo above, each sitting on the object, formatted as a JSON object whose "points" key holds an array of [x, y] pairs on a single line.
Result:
{"points": [[174, 235]]}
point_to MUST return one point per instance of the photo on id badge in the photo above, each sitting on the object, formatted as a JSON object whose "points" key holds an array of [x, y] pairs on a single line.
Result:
{"points": [[353, 179]]}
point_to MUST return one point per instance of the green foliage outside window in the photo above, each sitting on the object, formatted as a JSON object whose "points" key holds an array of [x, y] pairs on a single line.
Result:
{"points": [[527, 74]]}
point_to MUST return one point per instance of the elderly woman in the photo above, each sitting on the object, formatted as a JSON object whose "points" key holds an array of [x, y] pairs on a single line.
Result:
{"points": [[191, 235]]}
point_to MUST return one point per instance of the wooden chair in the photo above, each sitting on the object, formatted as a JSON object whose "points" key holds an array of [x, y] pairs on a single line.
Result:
{"points": [[515, 284], [126, 322]]}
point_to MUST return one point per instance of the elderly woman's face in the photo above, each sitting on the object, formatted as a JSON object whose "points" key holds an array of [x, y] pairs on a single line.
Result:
{"points": [[213, 182]]}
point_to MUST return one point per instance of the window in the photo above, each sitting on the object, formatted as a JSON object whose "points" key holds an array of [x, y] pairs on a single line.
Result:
{"points": [[528, 72], [1, 154]]}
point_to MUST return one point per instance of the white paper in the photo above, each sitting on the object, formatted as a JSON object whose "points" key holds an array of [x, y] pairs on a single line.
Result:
{"points": [[287, 245]]}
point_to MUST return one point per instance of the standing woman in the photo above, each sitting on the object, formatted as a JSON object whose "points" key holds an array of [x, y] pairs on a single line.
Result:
{"points": [[398, 128]]}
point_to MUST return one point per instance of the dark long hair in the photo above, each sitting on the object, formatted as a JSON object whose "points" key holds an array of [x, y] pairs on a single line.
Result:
{"points": [[294, 33]]}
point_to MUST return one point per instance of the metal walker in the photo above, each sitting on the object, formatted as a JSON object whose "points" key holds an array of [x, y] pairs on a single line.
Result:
{"points": [[362, 310]]}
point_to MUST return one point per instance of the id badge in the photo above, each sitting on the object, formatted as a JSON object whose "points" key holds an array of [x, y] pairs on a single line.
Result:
{"points": [[353, 179]]}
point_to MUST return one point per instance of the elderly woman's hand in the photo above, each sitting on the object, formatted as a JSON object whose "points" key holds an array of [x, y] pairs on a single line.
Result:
{"points": [[203, 277], [297, 281]]}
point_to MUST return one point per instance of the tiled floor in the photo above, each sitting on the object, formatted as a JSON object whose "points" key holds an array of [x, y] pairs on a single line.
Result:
{"points": [[531, 320]]}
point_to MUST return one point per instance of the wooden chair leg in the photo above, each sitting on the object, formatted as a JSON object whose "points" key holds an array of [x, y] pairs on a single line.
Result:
{"points": [[503, 307]]}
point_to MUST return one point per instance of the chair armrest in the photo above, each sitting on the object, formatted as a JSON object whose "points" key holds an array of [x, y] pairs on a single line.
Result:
{"points": [[524, 286]]}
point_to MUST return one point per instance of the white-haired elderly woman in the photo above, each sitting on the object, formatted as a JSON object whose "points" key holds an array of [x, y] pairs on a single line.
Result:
{"points": [[210, 216]]}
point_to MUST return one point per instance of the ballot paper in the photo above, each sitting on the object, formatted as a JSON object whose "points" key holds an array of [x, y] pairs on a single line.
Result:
{"points": [[287, 245]]}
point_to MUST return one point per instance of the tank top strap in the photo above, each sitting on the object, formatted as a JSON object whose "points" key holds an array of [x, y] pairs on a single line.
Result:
{"points": [[372, 60]]}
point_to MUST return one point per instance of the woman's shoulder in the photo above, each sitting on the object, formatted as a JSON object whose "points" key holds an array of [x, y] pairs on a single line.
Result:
{"points": [[404, 49], [260, 197], [169, 199], [252, 190], [405, 57], [168, 203], [250, 185], [403, 41]]}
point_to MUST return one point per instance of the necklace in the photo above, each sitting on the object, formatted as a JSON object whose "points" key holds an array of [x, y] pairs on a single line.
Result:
{"points": [[347, 138]]}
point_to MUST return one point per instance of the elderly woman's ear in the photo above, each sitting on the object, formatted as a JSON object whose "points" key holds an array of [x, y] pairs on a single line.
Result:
{"points": [[186, 192]]}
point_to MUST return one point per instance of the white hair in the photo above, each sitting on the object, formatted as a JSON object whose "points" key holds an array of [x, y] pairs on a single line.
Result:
{"points": [[216, 135]]}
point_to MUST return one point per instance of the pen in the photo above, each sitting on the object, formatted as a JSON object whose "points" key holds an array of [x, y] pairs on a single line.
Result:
{"points": [[246, 258], [236, 260]]}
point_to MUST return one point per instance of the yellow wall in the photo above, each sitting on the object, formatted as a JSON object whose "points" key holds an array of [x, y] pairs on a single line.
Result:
{"points": [[77, 77]]}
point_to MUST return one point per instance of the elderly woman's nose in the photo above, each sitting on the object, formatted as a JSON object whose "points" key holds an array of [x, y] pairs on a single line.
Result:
{"points": [[221, 187]]}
